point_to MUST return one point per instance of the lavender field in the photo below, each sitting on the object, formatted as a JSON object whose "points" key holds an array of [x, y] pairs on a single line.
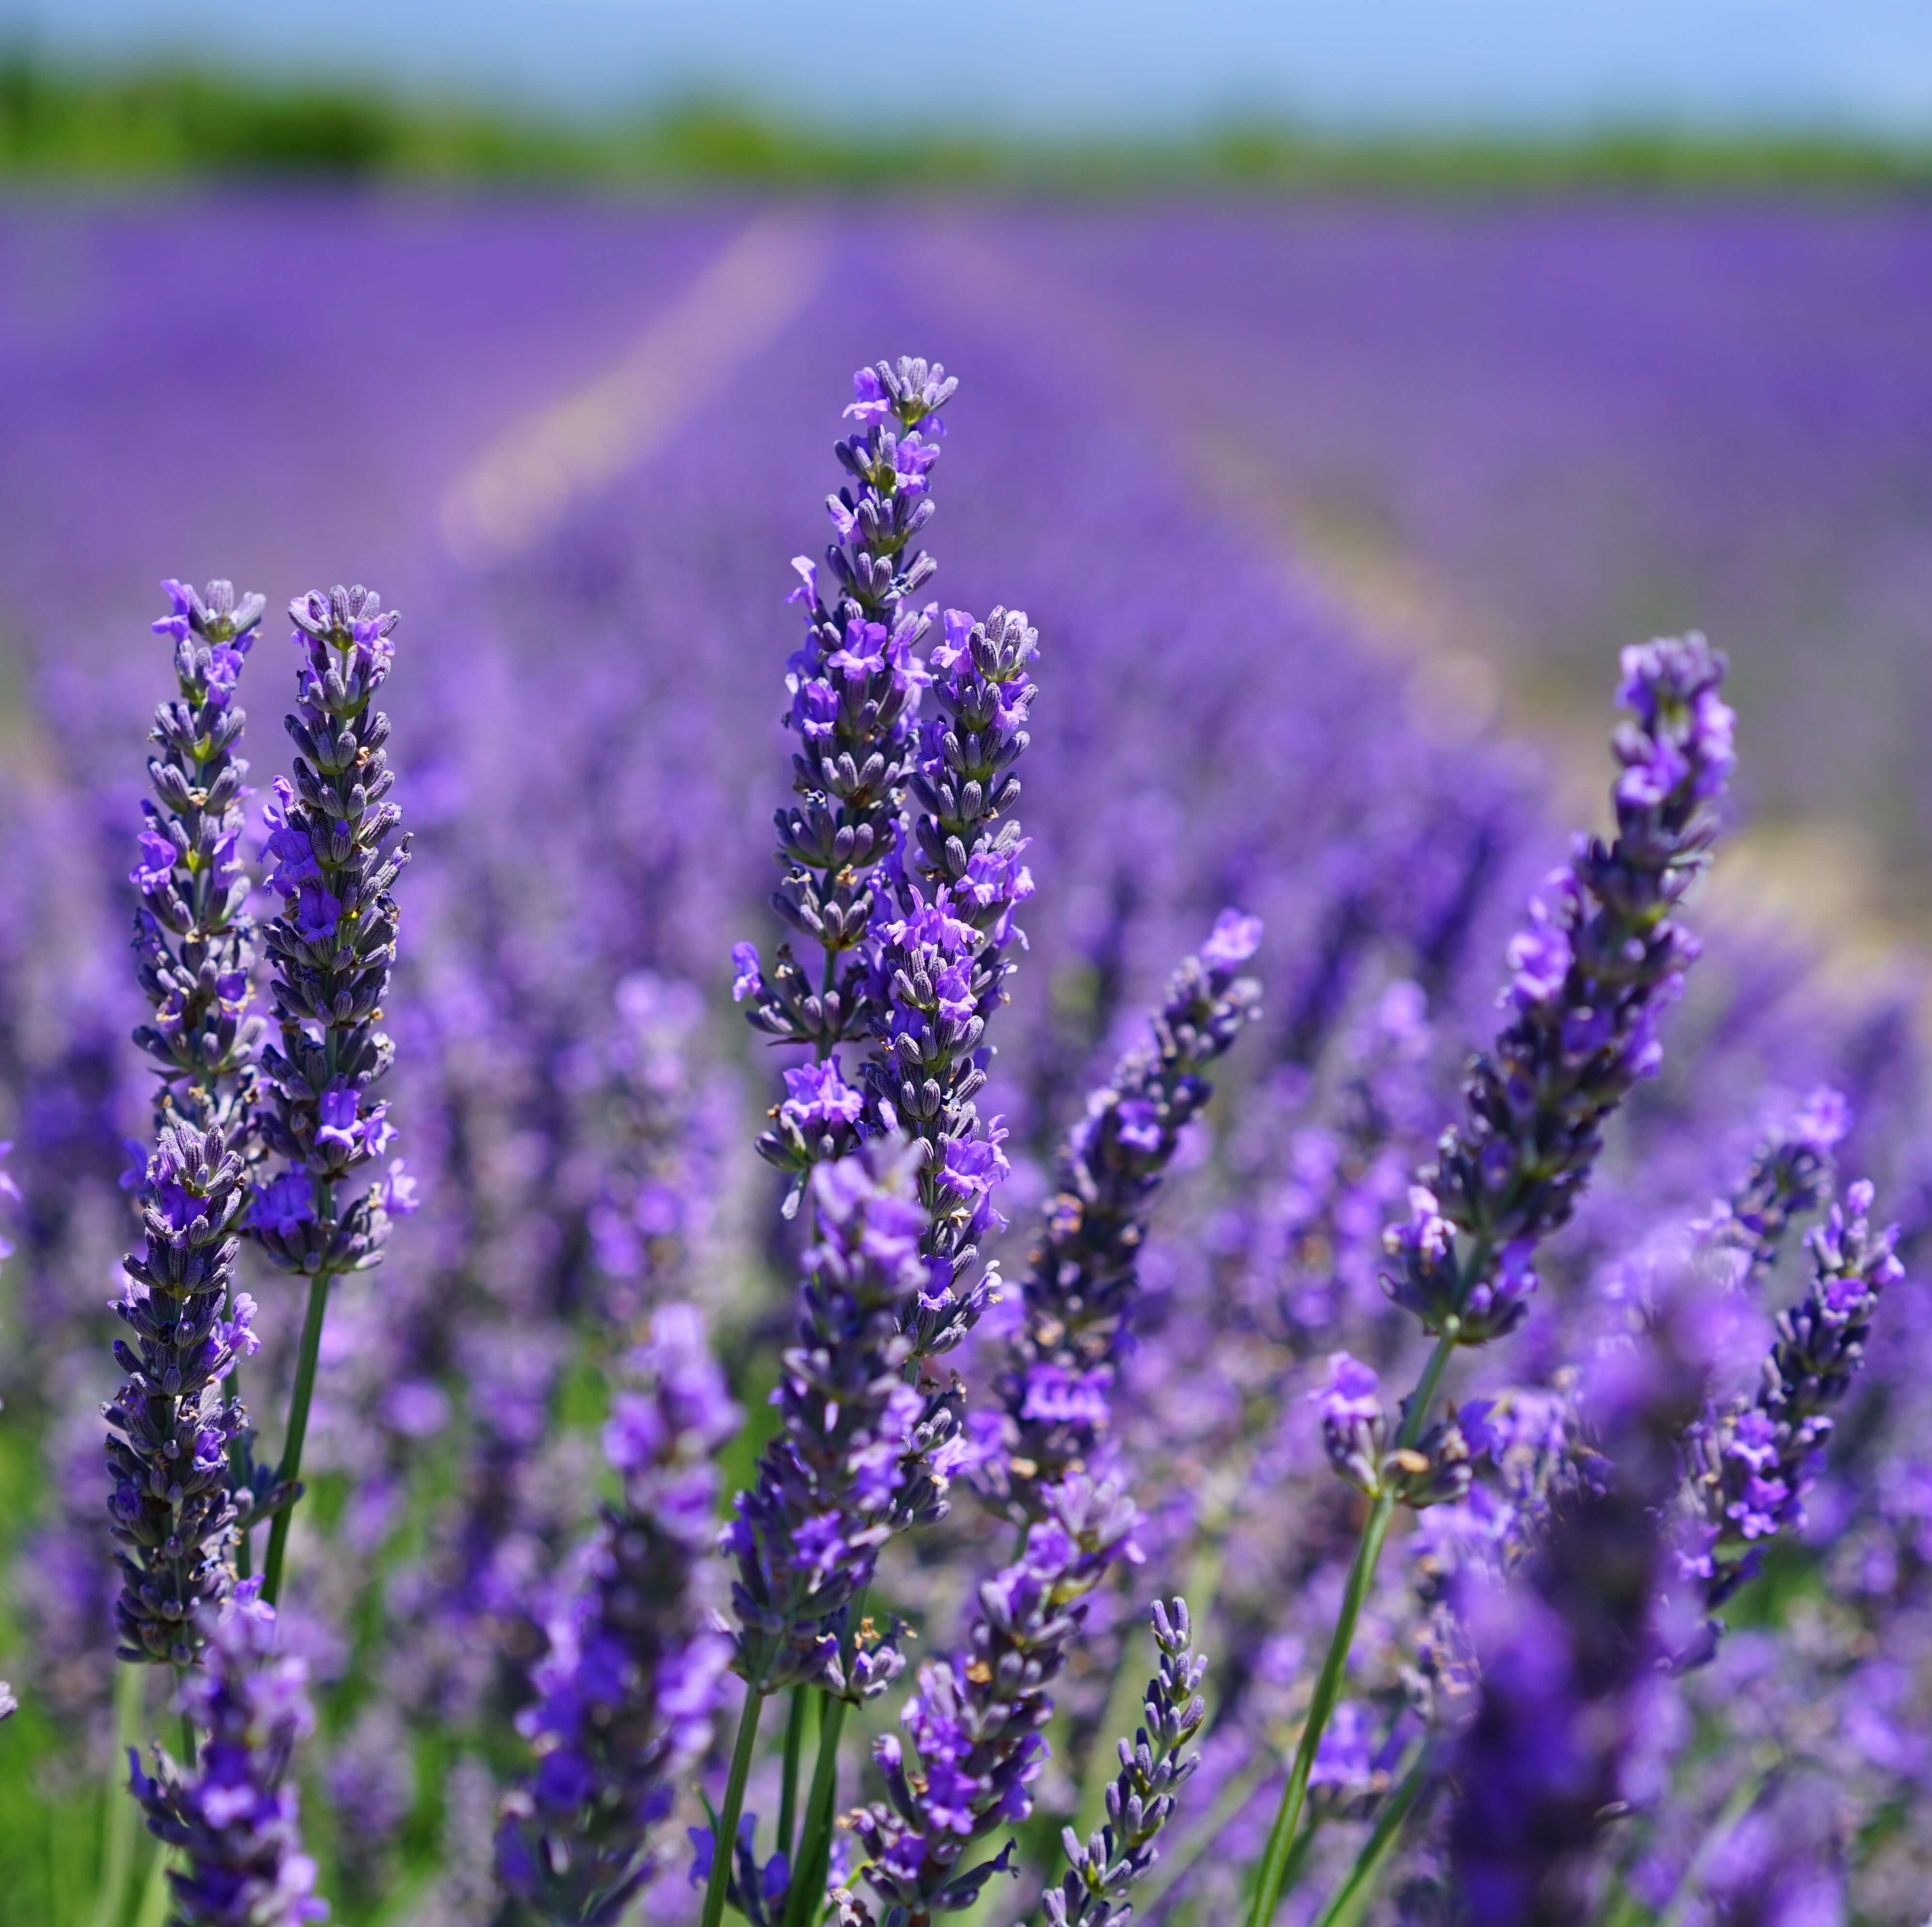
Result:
{"points": [[1331, 522]]}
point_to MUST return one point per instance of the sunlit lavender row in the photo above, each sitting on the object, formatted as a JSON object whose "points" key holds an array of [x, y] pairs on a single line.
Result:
{"points": [[1252, 1330]]}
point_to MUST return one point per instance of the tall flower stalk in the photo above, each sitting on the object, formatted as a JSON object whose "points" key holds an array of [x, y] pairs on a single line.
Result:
{"points": [[901, 861], [1603, 958], [169, 1428], [333, 839]]}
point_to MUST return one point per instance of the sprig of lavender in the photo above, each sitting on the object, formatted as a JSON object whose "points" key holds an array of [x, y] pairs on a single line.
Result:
{"points": [[234, 1817], [168, 1430], [976, 1724], [1100, 1875], [1055, 1388], [627, 1690], [1750, 1466], [334, 843], [1603, 958], [855, 686]]}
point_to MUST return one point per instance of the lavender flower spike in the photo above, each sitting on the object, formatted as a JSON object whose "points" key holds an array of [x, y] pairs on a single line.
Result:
{"points": [[975, 1722], [1082, 1281], [233, 1816], [168, 1430], [1100, 1875], [1603, 958], [626, 1692], [855, 689], [807, 1532], [1752, 1466], [333, 838]]}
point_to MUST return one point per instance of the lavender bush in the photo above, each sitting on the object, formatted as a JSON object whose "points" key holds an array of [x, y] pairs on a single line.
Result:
{"points": [[1030, 1346]]}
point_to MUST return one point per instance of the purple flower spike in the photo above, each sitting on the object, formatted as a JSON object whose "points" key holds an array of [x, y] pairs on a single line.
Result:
{"points": [[1100, 1875], [1082, 1281], [233, 1816], [808, 1533], [169, 1428], [976, 1722], [334, 836], [855, 687], [1752, 1465], [1603, 955], [626, 1693]]}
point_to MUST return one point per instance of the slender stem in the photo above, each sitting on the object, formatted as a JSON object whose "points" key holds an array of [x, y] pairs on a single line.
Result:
{"points": [[1274, 1865], [153, 1908], [794, 1744], [814, 1848], [290, 1468], [724, 1841], [1346, 1904], [1743, 1796], [121, 1819]]}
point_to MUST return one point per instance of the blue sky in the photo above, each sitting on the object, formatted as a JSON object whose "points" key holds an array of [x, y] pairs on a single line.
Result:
{"points": [[1078, 65]]}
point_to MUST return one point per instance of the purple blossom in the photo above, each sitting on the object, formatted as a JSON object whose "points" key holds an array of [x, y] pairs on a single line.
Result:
{"points": [[818, 1099], [626, 1692], [233, 1816], [1081, 1283], [1752, 1464], [807, 1533], [1602, 956], [977, 1719]]}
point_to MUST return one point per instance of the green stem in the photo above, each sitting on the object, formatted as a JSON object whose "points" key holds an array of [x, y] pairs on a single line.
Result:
{"points": [[1742, 1797], [724, 1840], [1274, 1867], [154, 1903], [815, 1850], [121, 1819], [794, 1745], [1345, 1906], [290, 1468]]}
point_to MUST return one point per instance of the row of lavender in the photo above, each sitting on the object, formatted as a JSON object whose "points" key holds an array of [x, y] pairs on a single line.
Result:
{"points": [[576, 1137]]}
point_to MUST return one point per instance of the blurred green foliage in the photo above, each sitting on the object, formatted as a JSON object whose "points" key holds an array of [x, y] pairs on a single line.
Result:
{"points": [[58, 123]]}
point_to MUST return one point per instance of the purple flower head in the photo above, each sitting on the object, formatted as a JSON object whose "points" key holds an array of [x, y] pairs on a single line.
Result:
{"points": [[626, 1692], [285, 1204], [1233, 940], [153, 867], [974, 1166], [1082, 1284], [747, 974], [1579, 1032], [233, 1817], [316, 913], [817, 1097], [1539, 957], [808, 1531]]}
